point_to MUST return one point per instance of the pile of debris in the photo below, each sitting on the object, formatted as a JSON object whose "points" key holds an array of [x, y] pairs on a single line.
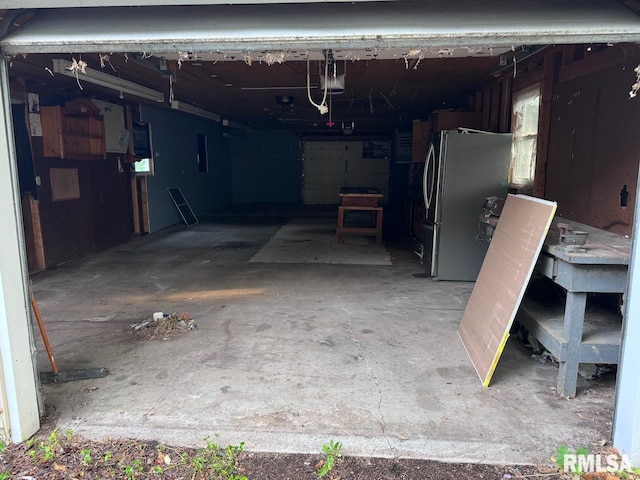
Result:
{"points": [[163, 326]]}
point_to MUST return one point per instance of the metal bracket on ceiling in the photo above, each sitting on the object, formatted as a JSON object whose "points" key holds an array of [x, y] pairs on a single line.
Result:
{"points": [[161, 68], [519, 54]]}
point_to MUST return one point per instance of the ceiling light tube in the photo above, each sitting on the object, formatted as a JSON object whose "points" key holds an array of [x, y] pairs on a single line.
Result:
{"points": [[105, 80], [192, 109], [237, 125], [277, 88]]}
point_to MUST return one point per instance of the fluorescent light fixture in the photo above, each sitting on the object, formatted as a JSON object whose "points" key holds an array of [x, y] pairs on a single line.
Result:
{"points": [[106, 80], [278, 88], [193, 110], [236, 125]]}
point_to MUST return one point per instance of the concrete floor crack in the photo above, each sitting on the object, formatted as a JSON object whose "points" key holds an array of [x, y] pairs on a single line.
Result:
{"points": [[361, 354], [155, 405]]}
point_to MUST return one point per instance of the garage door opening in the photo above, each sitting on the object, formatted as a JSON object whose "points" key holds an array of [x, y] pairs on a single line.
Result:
{"points": [[286, 353]]}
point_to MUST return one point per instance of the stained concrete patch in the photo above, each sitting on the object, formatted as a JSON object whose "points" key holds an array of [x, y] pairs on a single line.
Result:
{"points": [[313, 240]]}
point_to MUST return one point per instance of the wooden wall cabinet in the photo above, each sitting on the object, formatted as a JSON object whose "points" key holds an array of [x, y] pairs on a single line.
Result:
{"points": [[450, 120], [74, 131]]}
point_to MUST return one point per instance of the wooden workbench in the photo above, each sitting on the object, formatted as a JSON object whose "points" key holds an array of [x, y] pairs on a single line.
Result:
{"points": [[570, 332], [360, 199]]}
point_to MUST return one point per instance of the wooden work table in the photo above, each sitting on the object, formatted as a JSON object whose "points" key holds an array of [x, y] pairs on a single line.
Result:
{"points": [[360, 199], [571, 332]]}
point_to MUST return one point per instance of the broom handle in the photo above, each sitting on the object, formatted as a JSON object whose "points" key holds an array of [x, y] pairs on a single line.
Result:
{"points": [[43, 332]]}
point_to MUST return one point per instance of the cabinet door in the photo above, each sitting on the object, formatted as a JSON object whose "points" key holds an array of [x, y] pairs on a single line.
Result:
{"points": [[83, 138], [52, 143], [76, 136]]}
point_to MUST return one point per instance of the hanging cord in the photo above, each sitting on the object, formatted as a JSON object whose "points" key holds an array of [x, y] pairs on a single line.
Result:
{"points": [[322, 108], [330, 123]]}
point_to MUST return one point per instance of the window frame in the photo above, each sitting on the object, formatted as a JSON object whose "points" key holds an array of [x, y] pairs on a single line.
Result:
{"points": [[524, 95]]}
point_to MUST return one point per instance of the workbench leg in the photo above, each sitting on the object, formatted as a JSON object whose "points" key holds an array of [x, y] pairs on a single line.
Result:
{"points": [[574, 311]]}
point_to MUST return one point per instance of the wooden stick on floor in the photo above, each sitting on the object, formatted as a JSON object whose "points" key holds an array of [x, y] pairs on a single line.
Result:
{"points": [[43, 332]]}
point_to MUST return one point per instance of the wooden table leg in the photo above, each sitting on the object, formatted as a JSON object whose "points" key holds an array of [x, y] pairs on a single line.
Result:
{"points": [[574, 311], [376, 214]]}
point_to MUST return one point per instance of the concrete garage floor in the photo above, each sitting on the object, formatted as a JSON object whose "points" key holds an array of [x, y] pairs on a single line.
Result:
{"points": [[289, 356]]}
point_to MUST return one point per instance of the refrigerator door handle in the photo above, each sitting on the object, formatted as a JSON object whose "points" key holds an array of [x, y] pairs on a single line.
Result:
{"points": [[429, 187]]}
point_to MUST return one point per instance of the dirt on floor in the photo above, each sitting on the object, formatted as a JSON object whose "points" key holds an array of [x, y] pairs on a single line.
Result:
{"points": [[56, 454], [163, 326]]}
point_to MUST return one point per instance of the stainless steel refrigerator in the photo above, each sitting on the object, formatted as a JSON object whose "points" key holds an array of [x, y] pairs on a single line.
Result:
{"points": [[463, 167]]}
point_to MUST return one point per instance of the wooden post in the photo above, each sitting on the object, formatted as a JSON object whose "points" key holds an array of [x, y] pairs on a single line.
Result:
{"points": [[494, 114], [505, 106], [135, 206], [549, 69], [36, 226], [144, 205]]}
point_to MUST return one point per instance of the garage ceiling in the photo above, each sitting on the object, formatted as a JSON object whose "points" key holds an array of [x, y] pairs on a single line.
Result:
{"points": [[379, 95], [403, 59]]}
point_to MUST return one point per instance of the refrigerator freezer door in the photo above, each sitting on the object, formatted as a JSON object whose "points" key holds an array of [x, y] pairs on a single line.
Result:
{"points": [[430, 260], [476, 166], [435, 251]]}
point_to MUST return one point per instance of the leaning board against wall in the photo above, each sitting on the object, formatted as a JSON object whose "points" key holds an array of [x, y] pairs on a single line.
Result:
{"points": [[330, 165]]}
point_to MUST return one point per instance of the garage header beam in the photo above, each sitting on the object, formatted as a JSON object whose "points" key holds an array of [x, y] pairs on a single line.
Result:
{"points": [[146, 3], [285, 27]]}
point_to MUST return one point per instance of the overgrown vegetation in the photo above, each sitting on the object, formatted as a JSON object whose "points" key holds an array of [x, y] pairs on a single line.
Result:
{"points": [[69, 456], [44, 450], [54, 456]]}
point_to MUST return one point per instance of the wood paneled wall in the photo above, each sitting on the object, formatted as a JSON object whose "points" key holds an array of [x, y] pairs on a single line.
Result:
{"points": [[60, 231], [587, 137]]}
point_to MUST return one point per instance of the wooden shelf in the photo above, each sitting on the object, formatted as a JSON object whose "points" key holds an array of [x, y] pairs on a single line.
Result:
{"points": [[601, 333], [574, 330], [74, 131]]}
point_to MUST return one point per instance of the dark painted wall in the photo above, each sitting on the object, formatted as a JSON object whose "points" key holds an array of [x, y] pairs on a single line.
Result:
{"points": [[266, 166], [593, 148], [100, 218], [174, 139]]}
